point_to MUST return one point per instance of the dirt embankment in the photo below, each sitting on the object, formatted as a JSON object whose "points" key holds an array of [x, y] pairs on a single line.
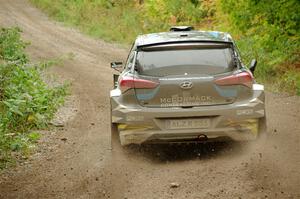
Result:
{"points": [[75, 161]]}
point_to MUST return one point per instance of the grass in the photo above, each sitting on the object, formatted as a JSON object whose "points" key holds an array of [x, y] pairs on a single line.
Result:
{"points": [[27, 103]]}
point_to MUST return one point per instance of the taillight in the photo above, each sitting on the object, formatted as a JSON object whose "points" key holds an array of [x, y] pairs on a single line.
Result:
{"points": [[243, 78], [130, 82]]}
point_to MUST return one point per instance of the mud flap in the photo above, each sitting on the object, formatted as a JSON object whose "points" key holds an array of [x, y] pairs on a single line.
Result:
{"points": [[115, 139], [115, 80], [262, 128], [133, 134]]}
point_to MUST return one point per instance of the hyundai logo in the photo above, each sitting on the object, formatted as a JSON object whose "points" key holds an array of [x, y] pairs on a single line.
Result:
{"points": [[186, 85]]}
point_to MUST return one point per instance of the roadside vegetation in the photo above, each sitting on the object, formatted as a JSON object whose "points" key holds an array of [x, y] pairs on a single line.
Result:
{"points": [[27, 103], [266, 30]]}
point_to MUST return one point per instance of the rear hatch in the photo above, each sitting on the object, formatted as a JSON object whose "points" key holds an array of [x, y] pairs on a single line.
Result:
{"points": [[185, 75]]}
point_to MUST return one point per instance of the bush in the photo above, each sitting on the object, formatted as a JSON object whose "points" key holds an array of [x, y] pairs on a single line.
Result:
{"points": [[270, 32], [161, 14], [27, 103]]}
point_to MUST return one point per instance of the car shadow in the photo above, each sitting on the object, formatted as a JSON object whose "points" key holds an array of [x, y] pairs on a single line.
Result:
{"points": [[182, 152]]}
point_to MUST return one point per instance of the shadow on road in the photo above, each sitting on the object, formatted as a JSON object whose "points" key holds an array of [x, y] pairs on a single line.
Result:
{"points": [[182, 152]]}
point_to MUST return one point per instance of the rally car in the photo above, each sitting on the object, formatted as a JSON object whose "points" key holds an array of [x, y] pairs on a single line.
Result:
{"points": [[186, 86]]}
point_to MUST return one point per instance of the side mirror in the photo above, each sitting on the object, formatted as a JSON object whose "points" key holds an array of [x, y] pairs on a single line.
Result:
{"points": [[117, 66], [253, 65]]}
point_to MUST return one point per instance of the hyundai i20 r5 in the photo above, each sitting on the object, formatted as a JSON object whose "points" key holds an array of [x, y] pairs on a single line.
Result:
{"points": [[183, 86]]}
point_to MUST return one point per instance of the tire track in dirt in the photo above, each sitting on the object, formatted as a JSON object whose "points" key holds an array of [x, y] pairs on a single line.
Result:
{"points": [[76, 165]]}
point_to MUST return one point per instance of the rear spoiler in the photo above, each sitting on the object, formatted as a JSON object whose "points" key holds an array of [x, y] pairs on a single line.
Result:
{"points": [[180, 44]]}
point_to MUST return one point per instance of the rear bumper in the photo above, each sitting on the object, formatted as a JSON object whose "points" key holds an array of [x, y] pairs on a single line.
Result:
{"points": [[237, 121], [238, 133]]}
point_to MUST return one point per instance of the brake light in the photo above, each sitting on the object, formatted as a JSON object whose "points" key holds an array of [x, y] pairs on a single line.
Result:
{"points": [[127, 83], [243, 78]]}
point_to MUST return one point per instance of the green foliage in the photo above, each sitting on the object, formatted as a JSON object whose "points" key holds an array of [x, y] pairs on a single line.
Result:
{"points": [[161, 14], [277, 17], [265, 30], [26, 102], [270, 32], [11, 46]]}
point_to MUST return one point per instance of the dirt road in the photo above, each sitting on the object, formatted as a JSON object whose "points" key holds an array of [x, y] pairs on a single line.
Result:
{"points": [[76, 161]]}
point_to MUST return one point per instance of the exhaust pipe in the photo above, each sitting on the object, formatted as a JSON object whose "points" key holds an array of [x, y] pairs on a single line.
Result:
{"points": [[202, 137]]}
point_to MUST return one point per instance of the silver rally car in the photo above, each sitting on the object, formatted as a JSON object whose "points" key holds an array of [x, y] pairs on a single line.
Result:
{"points": [[186, 86]]}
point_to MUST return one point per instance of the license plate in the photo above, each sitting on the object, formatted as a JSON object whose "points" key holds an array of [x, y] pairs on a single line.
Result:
{"points": [[187, 124]]}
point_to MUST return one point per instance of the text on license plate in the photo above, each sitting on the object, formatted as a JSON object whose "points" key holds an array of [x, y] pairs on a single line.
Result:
{"points": [[187, 123]]}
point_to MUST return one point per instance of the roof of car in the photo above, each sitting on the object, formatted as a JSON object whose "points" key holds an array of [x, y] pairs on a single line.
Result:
{"points": [[182, 36]]}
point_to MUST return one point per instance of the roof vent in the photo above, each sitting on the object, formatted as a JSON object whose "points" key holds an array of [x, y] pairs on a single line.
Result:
{"points": [[181, 28]]}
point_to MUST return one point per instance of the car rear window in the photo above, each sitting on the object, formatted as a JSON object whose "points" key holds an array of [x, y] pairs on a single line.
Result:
{"points": [[177, 61]]}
